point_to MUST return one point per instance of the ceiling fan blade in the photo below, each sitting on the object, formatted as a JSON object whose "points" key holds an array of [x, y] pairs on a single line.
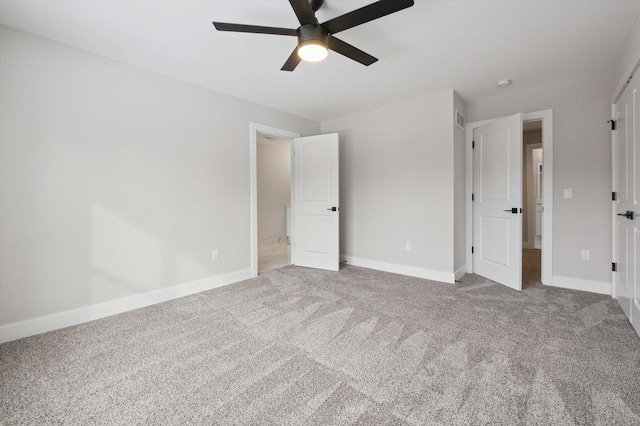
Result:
{"points": [[292, 62], [241, 28], [350, 52], [365, 14], [303, 11]]}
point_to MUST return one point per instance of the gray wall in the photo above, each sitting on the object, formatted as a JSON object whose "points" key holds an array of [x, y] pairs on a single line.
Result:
{"points": [[581, 161], [274, 187], [397, 182], [628, 57], [115, 181]]}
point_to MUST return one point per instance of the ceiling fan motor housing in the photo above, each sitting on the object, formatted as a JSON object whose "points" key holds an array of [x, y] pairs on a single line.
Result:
{"points": [[316, 4], [312, 33]]}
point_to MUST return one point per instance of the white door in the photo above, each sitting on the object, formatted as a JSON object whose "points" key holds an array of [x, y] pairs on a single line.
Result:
{"points": [[635, 298], [316, 236], [627, 187], [497, 218]]}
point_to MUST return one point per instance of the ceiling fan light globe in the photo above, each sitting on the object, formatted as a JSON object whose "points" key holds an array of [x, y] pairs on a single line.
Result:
{"points": [[312, 52]]}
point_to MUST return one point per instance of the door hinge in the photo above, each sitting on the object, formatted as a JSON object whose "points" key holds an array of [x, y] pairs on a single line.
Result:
{"points": [[614, 266], [613, 196], [471, 249], [473, 144], [613, 124], [473, 197]]}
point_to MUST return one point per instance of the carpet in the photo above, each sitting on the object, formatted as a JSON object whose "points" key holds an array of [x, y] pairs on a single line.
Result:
{"points": [[303, 346]]}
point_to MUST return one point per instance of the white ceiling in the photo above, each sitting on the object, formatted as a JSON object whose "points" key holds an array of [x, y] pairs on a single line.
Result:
{"points": [[466, 45]]}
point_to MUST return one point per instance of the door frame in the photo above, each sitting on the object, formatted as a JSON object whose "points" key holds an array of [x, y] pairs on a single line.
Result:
{"points": [[254, 129], [547, 190]]}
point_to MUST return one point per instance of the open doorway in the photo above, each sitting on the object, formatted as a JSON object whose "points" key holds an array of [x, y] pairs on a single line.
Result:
{"points": [[273, 171], [546, 188], [532, 197], [256, 129], [315, 241]]}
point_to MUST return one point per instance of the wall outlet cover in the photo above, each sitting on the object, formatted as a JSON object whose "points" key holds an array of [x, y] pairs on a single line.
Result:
{"points": [[585, 254]]}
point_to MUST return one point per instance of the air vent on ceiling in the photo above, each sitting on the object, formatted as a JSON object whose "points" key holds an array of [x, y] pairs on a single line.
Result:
{"points": [[459, 120]]}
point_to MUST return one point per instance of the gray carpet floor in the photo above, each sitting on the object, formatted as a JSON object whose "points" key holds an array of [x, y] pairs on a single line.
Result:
{"points": [[301, 346]]}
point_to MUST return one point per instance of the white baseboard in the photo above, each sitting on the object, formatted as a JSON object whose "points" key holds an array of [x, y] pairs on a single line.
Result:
{"points": [[601, 287], [460, 272], [64, 319], [412, 271]]}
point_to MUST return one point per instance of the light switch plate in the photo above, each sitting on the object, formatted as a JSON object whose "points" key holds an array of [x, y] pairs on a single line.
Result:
{"points": [[568, 193]]}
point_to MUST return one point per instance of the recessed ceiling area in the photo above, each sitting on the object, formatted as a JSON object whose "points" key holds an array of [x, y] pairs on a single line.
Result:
{"points": [[465, 45]]}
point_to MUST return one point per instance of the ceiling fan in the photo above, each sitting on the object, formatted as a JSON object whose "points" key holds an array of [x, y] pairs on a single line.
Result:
{"points": [[314, 39]]}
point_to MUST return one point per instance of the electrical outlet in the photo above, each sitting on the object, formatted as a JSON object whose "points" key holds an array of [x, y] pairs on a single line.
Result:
{"points": [[407, 245], [585, 254], [215, 254]]}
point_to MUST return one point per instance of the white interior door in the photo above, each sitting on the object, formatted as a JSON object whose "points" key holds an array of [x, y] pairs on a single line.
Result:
{"points": [[635, 298], [316, 236], [627, 187], [497, 207]]}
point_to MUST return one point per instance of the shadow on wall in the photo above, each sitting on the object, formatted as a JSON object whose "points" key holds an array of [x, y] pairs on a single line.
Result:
{"points": [[126, 260]]}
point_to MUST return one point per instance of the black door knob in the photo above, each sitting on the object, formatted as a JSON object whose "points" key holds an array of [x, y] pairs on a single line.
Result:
{"points": [[628, 214]]}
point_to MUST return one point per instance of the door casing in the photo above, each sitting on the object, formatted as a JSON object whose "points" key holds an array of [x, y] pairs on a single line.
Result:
{"points": [[547, 216]]}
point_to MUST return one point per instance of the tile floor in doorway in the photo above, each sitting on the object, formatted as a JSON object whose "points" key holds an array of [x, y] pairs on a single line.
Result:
{"points": [[273, 253]]}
